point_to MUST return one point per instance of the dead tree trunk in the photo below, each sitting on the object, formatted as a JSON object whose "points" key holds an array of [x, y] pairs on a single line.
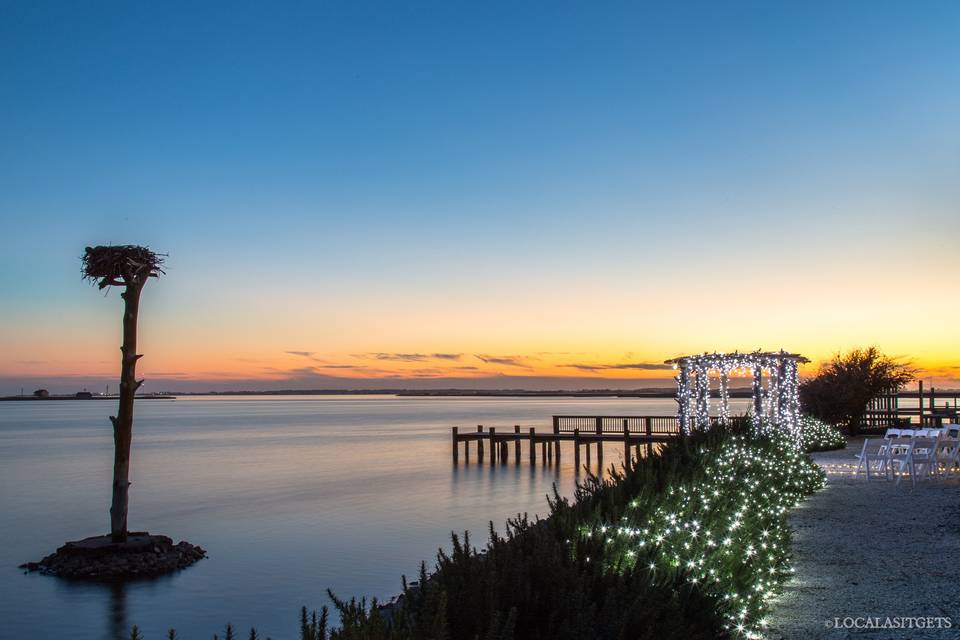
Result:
{"points": [[127, 266], [123, 421]]}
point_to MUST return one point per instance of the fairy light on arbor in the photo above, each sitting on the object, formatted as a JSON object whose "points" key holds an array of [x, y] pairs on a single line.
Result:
{"points": [[720, 521], [777, 403]]}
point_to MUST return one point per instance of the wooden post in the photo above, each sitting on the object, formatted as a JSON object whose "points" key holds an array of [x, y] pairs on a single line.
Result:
{"points": [[466, 451], [556, 424], [504, 452], [920, 394], [626, 446], [516, 444], [600, 442], [456, 447], [576, 449], [533, 446], [556, 445], [550, 452], [480, 444], [588, 454], [543, 453], [493, 446]]}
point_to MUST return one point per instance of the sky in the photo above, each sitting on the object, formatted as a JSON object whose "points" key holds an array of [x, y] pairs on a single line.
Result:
{"points": [[541, 195]]}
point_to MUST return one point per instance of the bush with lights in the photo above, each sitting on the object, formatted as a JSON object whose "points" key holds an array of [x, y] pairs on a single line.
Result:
{"points": [[720, 521], [817, 435]]}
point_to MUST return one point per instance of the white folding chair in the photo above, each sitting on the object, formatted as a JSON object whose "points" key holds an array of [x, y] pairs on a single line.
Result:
{"points": [[874, 457], [951, 430], [892, 433], [900, 444], [947, 454], [920, 459]]}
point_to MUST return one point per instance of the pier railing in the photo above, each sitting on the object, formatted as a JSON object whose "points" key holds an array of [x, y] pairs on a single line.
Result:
{"points": [[648, 425]]}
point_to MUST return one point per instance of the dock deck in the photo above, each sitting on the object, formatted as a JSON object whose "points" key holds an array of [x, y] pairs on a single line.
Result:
{"points": [[582, 431]]}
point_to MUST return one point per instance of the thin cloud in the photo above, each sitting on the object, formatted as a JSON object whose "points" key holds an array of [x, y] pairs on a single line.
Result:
{"points": [[412, 357], [510, 361], [642, 366], [305, 354], [401, 357]]}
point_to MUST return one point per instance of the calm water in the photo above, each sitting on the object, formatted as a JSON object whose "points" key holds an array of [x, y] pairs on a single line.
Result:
{"points": [[289, 496]]}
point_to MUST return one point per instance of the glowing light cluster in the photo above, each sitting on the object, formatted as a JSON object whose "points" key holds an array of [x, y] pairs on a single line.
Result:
{"points": [[723, 526], [816, 435]]}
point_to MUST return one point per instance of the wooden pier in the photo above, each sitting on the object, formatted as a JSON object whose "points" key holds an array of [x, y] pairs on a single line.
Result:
{"points": [[933, 409], [585, 432]]}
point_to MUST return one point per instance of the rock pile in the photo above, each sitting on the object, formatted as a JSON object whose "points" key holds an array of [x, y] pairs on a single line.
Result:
{"points": [[99, 558]]}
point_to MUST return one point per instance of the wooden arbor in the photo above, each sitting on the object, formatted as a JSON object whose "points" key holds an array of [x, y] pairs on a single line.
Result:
{"points": [[779, 401]]}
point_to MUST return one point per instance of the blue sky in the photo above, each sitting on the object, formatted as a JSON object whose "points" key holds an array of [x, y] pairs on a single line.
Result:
{"points": [[432, 159]]}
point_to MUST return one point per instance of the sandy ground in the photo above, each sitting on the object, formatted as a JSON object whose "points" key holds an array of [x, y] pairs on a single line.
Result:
{"points": [[877, 550]]}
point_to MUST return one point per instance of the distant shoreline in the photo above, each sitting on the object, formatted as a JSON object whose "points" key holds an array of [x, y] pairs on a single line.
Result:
{"points": [[653, 392], [440, 393], [32, 398]]}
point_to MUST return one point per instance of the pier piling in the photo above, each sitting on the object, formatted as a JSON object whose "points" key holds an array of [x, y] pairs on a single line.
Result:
{"points": [[576, 449]]}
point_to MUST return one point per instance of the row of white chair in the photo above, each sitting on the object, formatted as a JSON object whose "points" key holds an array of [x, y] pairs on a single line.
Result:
{"points": [[922, 457], [949, 431]]}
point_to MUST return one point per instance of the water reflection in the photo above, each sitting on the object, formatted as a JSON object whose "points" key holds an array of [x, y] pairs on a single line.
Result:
{"points": [[118, 626]]}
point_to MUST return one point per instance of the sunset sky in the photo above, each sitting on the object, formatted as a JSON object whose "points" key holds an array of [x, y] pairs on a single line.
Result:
{"points": [[543, 195]]}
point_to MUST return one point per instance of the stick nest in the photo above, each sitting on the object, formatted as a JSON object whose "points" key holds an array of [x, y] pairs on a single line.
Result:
{"points": [[120, 265]]}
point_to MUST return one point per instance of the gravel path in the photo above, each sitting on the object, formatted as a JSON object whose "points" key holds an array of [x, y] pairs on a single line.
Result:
{"points": [[874, 550]]}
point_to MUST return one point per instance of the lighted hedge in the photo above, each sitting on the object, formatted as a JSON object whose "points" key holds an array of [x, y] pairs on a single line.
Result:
{"points": [[817, 435], [721, 524]]}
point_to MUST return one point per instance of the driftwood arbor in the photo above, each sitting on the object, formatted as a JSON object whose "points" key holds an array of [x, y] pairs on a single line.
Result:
{"points": [[129, 267]]}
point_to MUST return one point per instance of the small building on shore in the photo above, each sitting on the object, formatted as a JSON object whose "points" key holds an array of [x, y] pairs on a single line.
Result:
{"points": [[41, 393]]}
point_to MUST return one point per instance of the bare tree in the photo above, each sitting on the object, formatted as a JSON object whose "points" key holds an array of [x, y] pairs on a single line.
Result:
{"points": [[129, 267], [845, 385]]}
